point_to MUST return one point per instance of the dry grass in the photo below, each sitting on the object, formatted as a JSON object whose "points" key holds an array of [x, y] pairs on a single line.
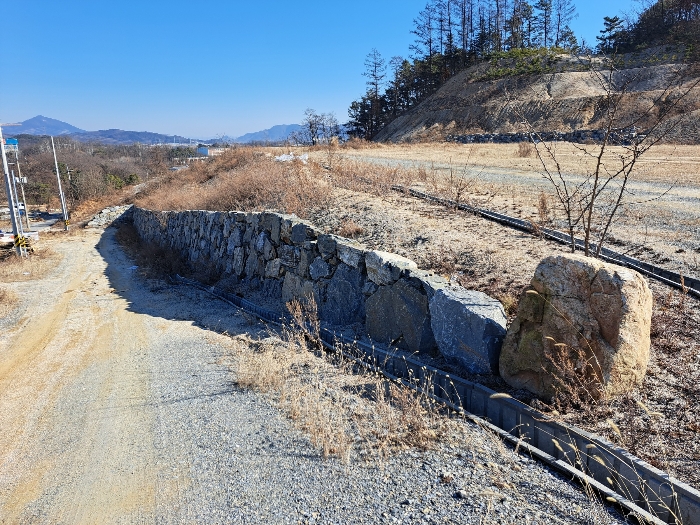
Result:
{"points": [[152, 260], [344, 409], [39, 261], [8, 299], [662, 162], [241, 179]]}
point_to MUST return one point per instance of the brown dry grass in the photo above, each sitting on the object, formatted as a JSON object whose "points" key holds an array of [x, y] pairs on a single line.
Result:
{"points": [[38, 262], [241, 179], [343, 408], [662, 164], [8, 299]]}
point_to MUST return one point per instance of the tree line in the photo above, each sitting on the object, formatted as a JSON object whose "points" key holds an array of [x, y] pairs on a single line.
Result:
{"points": [[675, 22], [452, 35], [449, 36]]}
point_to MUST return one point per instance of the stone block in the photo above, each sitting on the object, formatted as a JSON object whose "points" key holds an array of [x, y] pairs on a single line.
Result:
{"points": [[254, 265], [344, 302], [289, 255], [350, 253], [399, 314], [385, 268], [294, 287], [319, 269], [429, 282], [326, 245], [469, 328], [272, 269], [271, 223], [302, 231]]}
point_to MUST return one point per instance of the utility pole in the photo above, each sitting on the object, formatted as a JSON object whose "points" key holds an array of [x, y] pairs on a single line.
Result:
{"points": [[60, 189], [10, 200], [21, 185]]}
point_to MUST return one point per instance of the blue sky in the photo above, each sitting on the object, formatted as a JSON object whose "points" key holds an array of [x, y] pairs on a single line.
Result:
{"points": [[207, 69]]}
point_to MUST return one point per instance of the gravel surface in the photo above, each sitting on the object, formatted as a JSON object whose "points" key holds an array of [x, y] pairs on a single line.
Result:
{"points": [[119, 406]]}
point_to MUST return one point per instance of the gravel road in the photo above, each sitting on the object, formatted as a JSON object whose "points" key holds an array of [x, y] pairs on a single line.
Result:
{"points": [[119, 406]]}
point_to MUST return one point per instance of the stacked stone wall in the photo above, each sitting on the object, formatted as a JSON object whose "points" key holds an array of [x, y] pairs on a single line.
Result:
{"points": [[387, 294]]}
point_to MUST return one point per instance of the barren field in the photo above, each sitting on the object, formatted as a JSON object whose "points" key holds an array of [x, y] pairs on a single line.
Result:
{"points": [[661, 224]]}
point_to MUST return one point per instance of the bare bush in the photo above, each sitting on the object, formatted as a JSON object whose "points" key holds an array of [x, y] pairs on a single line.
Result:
{"points": [[242, 179], [525, 150]]}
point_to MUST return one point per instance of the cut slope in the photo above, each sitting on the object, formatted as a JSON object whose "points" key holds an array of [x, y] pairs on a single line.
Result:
{"points": [[563, 101]]}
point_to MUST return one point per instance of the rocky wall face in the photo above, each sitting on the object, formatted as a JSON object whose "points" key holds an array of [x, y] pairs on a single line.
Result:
{"points": [[387, 294]]}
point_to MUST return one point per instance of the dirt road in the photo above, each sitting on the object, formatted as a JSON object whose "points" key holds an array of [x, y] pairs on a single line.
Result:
{"points": [[118, 405]]}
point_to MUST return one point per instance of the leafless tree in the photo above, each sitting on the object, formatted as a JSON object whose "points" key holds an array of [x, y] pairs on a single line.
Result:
{"points": [[592, 203]]}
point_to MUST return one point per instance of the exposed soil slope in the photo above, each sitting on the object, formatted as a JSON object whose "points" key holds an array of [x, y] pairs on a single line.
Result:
{"points": [[563, 101]]}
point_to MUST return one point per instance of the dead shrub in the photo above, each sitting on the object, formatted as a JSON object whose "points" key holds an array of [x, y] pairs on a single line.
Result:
{"points": [[152, 260], [350, 229], [543, 208], [525, 150], [243, 181]]}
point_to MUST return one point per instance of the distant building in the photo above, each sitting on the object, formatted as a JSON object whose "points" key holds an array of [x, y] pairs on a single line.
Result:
{"points": [[208, 151]]}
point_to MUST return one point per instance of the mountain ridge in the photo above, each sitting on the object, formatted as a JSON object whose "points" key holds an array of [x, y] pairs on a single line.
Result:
{"points": [[41, 125]]}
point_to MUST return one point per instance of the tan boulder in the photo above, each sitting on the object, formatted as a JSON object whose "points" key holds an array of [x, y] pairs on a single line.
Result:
{"points": [[583, 324]]}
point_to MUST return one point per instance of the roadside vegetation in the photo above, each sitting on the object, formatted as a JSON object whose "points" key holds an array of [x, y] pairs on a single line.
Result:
{"points": [[92, 175]]}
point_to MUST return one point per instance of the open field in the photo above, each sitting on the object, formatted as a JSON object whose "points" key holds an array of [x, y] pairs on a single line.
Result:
{"points": [[661, 223]]}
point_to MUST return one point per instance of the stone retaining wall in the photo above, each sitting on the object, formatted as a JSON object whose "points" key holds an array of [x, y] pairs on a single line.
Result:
{"points": [[387, 294], [581, 136]]}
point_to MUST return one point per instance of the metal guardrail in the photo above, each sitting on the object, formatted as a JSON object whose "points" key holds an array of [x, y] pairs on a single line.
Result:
{"points": [[621, 478], [676, 280]]}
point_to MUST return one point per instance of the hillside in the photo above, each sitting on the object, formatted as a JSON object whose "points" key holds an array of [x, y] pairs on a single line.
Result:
{"points": [[563, 101]]}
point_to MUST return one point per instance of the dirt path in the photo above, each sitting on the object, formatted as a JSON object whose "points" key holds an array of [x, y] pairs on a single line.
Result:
{"points": [[77, 438], [118, 405]]}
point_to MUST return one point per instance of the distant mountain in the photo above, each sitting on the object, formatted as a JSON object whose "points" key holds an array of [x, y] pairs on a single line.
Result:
{"points": [[118, 136], [41, 125], [277, 133]]}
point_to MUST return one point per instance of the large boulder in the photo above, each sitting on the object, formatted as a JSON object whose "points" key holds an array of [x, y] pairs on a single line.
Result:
{"points": [[398, 314], [469, 328], [582, 324]]}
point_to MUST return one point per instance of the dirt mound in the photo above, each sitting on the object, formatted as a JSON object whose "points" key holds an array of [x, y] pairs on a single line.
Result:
{"points": [[562, 101]]}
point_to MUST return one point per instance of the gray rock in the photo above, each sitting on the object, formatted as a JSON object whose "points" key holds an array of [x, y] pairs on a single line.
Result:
{"points": [[254, 265], [319, 269], [469, 328], [326, 245], [260, 242], [399, 314], [369, 288], [271, 223], [350, 253], [385, 268], [289, 255], [272, 269], [344, 301], [429, 282], [294, 287], [302, 231]]}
